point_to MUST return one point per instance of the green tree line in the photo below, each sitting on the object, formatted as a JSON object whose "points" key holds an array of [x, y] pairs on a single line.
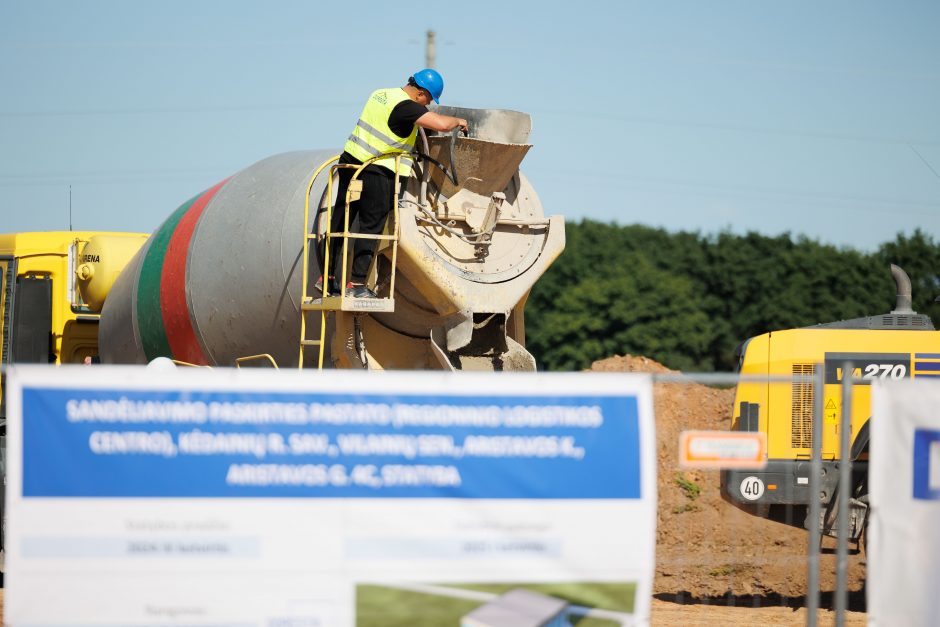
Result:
{"points": [[688, 300]]}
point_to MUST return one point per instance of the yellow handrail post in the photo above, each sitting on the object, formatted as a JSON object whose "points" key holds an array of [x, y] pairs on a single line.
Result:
{"points": [[306, 250]]}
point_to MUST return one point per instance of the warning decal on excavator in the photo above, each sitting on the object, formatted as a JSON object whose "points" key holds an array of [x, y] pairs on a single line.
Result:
{"points": [[927, 365]]}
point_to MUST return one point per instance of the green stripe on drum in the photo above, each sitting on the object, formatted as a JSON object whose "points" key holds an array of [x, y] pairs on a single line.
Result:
{"points": [[153, 337]]}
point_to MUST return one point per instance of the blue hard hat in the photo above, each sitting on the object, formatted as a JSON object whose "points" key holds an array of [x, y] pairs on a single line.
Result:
{"points": [[430, 80]]}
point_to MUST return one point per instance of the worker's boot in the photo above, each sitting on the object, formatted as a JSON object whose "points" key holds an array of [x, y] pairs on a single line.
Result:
{"points": [[359, 290], [332, 286]]}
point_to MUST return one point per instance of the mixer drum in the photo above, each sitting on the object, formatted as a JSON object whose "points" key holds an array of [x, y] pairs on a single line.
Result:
{"points": [[220, 278]]}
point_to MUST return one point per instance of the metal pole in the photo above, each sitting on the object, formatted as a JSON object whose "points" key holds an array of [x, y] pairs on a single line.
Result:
{"points": [[812, 561], [845, 487], [430, 50]]}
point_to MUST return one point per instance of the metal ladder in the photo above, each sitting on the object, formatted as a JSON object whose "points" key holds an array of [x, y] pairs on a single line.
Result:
{"points": [[342, 303]]}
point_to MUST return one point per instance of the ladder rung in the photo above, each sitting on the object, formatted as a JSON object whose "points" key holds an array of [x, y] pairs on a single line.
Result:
{"points": [[310, 342], [317, 304], [339, 303], [364, 236], [352, 236]]}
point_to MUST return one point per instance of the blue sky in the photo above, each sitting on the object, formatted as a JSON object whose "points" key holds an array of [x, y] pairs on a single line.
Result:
{"points": [[820, 119]]}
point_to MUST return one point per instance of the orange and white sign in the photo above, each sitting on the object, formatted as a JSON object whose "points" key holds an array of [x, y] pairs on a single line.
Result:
{"points": [[722, 449]]}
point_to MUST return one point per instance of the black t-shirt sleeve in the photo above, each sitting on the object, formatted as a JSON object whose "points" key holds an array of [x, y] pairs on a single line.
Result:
{"points": [[403, 117]]}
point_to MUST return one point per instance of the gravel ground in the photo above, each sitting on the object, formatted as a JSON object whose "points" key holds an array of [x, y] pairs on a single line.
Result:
{"points": [[710, 554]]}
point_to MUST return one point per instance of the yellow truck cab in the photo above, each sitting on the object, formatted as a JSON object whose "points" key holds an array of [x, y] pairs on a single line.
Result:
{"points": [[899, 344], [52, 288]]}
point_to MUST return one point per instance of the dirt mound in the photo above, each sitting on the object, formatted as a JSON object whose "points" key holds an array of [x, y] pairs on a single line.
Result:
{"points": [[706, 547], [630, 363]]}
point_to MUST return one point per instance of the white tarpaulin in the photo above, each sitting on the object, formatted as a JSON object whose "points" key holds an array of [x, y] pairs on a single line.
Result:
{"points": [[904, 528], [321, 499]]}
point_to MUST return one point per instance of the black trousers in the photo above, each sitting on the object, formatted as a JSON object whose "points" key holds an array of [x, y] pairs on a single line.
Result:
{"points": [[366, 215]]}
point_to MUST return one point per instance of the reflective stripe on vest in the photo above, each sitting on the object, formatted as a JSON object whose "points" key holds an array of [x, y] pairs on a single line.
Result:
{"points": [[372, 137]]}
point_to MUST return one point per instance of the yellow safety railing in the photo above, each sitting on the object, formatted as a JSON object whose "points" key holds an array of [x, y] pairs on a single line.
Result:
{"points": [[180, 362], [326, 304], [248, 358]]}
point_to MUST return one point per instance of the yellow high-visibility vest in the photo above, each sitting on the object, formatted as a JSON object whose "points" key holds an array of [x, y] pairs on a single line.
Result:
{"points": [[372, 136]]}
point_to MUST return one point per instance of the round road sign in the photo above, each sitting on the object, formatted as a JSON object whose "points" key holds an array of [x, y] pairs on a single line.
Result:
{"points": [[752, 488]]}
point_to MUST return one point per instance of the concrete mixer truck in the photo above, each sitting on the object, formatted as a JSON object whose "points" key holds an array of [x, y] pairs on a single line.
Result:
{"points": [[229, 278]]}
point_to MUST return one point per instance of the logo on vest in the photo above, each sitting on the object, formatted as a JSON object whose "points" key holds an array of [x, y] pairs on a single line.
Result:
{"points": [[380, 97]]}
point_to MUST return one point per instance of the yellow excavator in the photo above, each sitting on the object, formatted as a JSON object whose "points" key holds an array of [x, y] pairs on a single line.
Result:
{"points": [[896, 345]]}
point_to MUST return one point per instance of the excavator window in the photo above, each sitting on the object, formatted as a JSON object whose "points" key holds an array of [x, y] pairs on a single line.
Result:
{"points": [[739, 352]]}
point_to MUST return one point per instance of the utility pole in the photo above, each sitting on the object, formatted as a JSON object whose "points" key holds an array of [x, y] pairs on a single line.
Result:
{"points": [[429, 50]]}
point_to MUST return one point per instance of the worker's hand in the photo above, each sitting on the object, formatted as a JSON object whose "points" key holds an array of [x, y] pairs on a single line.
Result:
{"points": [[464, 127]]}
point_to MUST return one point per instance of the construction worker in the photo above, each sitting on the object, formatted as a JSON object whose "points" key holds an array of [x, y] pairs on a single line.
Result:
{"points": [[389, 122]]}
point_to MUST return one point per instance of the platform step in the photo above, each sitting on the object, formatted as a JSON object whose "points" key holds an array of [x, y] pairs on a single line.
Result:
{"points": [[342, 303]]}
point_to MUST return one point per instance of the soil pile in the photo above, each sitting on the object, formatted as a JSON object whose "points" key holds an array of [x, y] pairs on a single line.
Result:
{"points": [[706, 547]]}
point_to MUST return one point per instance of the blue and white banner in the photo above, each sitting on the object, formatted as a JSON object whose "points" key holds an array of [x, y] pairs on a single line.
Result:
{"points": [[904, 528], [161, 443], [325, 482]]}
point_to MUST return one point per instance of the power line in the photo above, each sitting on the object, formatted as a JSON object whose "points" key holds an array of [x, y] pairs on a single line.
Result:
{"points": [[175, 110], [112, 178], [744, 128], [926, 163], [202, 43], [912, 207]]}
